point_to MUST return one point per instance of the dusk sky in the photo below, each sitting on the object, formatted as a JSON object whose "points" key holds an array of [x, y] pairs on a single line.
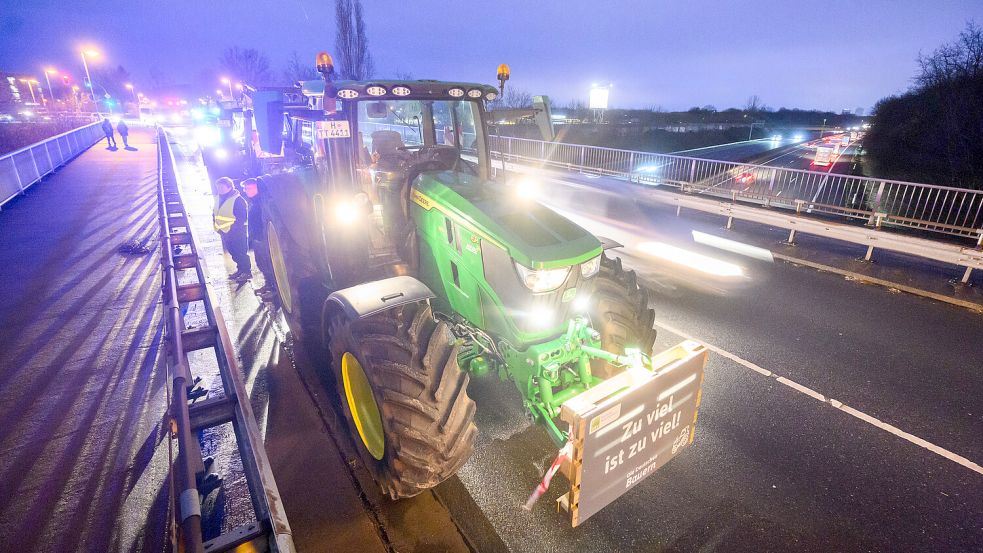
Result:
{"points": [[819, 54]]}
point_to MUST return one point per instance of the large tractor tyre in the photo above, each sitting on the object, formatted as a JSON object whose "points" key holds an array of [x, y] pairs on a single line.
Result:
{"points": [[299, 296], [621, 314], [404, 396]]}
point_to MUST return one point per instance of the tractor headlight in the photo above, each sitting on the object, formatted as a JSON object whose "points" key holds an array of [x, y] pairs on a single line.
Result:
{"points": [[590, 268], [542, 280]]}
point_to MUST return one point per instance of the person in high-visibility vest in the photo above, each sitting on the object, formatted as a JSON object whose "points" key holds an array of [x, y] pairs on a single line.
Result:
{"points": [[229, 217]]}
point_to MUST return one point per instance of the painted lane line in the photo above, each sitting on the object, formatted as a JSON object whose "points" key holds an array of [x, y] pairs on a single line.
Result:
{"points": [[836, 404]]}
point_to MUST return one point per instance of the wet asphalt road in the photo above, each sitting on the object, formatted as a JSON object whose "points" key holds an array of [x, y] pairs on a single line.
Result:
{"points": [[772, 469], [736, 151], [83, 457]]}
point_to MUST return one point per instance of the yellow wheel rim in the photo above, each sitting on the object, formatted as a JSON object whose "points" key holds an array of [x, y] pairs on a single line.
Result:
{"points": [[279, 267], [362, 405]]}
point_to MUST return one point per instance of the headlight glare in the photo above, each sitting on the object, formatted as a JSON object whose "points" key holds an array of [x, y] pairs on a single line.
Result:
{"points": [[542, 280], [589, 268]]}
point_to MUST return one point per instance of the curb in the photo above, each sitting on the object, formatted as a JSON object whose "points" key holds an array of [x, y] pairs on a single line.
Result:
{"points": [[973, 306]]}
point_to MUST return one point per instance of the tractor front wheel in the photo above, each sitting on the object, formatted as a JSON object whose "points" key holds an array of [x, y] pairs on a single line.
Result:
{"points": [[620, 313], [404, 396]]}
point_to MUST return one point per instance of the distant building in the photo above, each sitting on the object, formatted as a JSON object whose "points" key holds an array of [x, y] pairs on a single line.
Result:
{"points": [[11, 84], [859, 112]]}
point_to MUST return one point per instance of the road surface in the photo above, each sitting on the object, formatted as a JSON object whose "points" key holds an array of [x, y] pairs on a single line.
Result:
{"points": [[743, 151], [869, 441], [83, 456]]}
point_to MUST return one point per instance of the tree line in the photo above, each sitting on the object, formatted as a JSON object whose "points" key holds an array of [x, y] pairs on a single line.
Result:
{"points": [[934, 132]]}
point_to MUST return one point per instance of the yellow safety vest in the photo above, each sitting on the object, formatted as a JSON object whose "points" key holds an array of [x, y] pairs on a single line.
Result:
{"points": [[224, 213]]}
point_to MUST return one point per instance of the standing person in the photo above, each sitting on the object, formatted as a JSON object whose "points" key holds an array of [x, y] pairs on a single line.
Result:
{"points": [[124, 132], [229, 217], [257, 237], [107, 128]]}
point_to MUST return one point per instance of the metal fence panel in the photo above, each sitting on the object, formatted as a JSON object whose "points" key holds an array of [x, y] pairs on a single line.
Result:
{"points": [[942, 209], [22, 168]]}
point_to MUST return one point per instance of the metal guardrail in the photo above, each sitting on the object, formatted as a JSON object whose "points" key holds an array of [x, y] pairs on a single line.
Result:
{"points": [[22, 168], [937, 209], [185, 283]]}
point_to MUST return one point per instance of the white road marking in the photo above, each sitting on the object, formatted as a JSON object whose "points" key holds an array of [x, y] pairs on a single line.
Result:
{"points": [[833, 403]]}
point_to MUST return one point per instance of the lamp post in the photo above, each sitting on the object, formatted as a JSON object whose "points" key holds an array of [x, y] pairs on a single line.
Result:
{"points": [[823, 131], [226, 81], [31, 88], [51, 93], [92, 88], [129, 87]]}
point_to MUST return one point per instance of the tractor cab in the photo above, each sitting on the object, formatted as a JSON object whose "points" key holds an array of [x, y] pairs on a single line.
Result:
{"points": [[360, 145]]}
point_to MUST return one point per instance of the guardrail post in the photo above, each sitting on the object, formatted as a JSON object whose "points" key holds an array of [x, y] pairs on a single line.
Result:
{"points": [[979, 241], [876, 204], [870, 252], [51, 164], [631, 167], [35, 162], [692, 171], [965, 279], [20, 181]]}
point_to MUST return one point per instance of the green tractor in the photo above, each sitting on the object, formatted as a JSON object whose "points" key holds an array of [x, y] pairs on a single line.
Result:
{"points": [[402, 258]]}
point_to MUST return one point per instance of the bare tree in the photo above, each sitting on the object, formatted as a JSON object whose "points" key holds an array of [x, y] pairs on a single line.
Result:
{"points": [[159, 79], [514, 98], [247, 65], [401, 75], [298, 70], [354, 59], [934, 132], [753, 103], [962, 59]]}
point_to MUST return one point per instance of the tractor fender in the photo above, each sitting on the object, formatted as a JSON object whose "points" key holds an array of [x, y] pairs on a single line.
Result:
{"points": [[608, 243], [367, 299]]}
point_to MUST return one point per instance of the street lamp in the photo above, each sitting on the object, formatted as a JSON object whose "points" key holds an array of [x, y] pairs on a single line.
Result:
{"points": [[92, 88], [823, 131], [31, 88], [133, 92], [48, 71], [75, 96], [226, 81]]}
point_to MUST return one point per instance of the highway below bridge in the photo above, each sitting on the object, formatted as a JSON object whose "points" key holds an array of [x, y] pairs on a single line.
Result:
{"points": [[836, 416]]}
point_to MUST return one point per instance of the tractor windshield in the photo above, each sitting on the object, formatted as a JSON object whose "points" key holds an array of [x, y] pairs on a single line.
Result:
{"points": [[391, 127]]}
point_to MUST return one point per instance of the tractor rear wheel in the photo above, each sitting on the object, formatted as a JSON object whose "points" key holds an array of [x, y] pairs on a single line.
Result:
{"points": [[300, 297], [404, 396], [620, 313]]}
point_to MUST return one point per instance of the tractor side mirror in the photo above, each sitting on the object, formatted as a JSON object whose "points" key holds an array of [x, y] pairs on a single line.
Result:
{"points": [[377, 110]]}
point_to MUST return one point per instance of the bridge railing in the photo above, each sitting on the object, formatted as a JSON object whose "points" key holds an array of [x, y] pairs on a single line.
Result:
{"points": [[194, 322], [22, 168], [932, 208]]}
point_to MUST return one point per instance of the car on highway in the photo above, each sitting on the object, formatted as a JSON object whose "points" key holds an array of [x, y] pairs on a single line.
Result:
{"points": [[744, 178]]}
